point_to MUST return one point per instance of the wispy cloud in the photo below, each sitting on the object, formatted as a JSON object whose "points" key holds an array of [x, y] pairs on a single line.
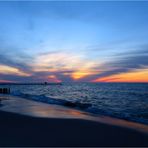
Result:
{"points": [[59, 66], [124, 63]]}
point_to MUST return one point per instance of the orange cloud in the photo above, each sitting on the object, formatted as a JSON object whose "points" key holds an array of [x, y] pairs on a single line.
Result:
{"points": [[53, 78], [12, 70], [134, 76], [81, 74]]}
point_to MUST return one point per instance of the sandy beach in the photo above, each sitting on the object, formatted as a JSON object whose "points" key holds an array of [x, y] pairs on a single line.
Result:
{"points": [[62, 127], [74, 73]]}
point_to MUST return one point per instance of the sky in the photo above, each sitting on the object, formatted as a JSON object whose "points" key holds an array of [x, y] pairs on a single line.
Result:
{"points": [[73, 41]]}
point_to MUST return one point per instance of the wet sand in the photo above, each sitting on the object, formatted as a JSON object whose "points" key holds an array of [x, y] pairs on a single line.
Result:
{"points": [[63, 127]]}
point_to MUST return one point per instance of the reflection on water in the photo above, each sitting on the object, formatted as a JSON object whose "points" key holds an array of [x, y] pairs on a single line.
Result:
{"points": [[32, 108], [36, 109], [122, 100], [0, 103], [3, 98]]}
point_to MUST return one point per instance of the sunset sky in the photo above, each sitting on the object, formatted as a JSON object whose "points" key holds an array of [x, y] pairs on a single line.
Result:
{"points": [[74, 41]]}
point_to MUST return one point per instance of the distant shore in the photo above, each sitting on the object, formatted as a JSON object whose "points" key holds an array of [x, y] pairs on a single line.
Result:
{"points": [[39, 124], [43, 83]]}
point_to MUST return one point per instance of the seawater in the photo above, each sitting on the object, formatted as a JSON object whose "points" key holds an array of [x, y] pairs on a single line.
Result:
{"points": [[121, 100]]}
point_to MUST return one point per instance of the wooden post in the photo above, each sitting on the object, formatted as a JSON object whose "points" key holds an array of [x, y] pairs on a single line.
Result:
{"points": [[4, 90]]}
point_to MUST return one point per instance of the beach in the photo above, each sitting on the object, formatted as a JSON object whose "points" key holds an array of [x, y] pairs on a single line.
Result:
{"points": [[73, 73], [63, 127]]}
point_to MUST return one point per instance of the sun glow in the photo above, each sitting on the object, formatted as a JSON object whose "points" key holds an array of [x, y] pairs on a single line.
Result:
{"points": [[133, 76], [81, 74], [69, 64]]}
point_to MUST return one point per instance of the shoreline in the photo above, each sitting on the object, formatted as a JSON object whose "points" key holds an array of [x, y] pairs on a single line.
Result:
{"points": [[29, 123], [33, 108], [22, 130]]}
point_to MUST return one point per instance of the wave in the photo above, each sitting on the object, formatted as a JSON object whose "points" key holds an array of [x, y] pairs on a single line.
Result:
{"points": [[87, 107], [49, 100]]}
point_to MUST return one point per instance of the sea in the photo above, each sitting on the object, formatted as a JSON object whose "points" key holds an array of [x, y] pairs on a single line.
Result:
{"points": [[127, 101]]}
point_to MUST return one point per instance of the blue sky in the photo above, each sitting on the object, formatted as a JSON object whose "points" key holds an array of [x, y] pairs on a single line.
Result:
{"points": [[72, 41]]}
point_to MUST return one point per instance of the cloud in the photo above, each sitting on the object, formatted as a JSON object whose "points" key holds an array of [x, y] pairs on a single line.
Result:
{"points": [[63, 64], [127, 62], [16, 61], [11, 70], [69, 66], [14, 65], [56, 62]]}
